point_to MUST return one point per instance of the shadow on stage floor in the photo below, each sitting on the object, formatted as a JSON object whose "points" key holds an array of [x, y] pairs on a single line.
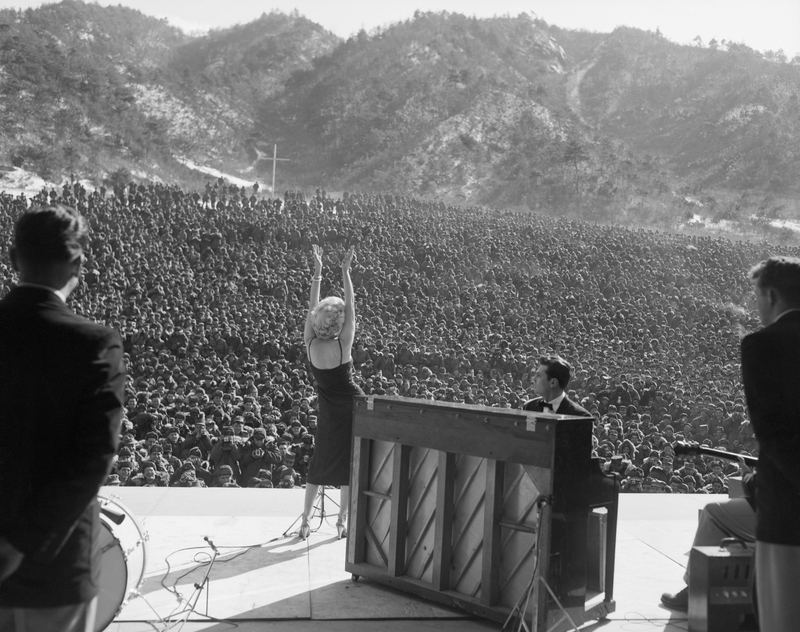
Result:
{"points": [[265, 580]]}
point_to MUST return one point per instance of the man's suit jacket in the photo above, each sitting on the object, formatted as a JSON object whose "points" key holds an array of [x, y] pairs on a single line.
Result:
{"points": [[771, 376], [62, 380], [566, 407]]}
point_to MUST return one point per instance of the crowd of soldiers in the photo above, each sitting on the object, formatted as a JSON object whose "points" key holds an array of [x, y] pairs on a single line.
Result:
{"points": [[209, 291]]}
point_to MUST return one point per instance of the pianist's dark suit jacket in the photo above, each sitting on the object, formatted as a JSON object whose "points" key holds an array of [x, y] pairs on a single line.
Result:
{"points": [[62, 379], [566, 407]]}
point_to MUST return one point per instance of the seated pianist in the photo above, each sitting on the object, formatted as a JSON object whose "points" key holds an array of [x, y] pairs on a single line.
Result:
{"points": [[552, 378]]}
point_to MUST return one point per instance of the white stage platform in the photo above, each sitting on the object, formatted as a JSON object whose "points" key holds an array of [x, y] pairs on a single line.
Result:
{"points": [[263, 581]]}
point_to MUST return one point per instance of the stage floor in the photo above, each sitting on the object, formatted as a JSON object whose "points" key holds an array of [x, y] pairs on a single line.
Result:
{"points": [[265, 581]]}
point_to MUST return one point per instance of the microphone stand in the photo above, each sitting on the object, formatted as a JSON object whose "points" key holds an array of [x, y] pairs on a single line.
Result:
{"points": [[191, 602]]}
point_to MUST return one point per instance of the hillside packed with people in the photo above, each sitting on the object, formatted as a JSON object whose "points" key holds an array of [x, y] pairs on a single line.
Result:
{"points": [[209, 291]]}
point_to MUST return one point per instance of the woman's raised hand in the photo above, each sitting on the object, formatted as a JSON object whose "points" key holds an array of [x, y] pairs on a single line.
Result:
{"points": [[316, 251], [349, 257]]}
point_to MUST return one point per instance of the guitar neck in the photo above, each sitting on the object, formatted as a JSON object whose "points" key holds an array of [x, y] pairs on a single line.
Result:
{"points": [[750, 461]]}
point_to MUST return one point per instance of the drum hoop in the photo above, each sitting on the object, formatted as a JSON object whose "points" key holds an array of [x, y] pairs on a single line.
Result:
{"points": [[144, 536], [120, 597], [115, 531]]}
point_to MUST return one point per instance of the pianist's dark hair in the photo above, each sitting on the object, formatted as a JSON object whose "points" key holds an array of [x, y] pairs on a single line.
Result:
{"points": [[558, 368]]}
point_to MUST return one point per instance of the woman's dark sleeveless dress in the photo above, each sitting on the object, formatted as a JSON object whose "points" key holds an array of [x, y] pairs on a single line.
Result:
{"points": [[330, 464]]}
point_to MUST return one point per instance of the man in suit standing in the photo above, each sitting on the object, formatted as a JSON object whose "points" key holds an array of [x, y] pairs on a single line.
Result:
{"points": [[771, 376], [62, 380], [552, 377]]}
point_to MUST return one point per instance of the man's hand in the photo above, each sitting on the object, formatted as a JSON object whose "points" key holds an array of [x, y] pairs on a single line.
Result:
{"points": [[748, 483], [10, 559], [743, 467]]}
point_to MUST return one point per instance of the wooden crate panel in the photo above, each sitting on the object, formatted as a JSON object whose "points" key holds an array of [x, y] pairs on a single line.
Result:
{"points": [[467, 538], [420, 540]]}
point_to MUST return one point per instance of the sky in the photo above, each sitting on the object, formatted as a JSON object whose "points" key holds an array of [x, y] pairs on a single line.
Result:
{"points": [[761, 24]]}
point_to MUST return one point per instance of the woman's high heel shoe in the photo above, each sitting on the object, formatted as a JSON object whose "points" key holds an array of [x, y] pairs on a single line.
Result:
{"points": [[341, 529], [305, 530]]}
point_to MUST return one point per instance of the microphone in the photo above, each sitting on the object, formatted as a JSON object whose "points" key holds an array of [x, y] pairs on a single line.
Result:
{"points": [[211, 544]]}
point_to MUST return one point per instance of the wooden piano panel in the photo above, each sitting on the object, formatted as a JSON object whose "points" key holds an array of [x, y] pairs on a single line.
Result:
{"points": [[469, 495], [444, 505], [378, 503], [520, 523], [420, 527]]}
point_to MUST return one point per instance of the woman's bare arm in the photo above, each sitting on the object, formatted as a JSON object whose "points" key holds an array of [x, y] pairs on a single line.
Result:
{"points": [[349, 328], [308, 333]]}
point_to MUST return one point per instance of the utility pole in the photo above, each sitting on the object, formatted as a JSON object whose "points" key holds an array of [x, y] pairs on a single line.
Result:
{"points": [[275, 160]]}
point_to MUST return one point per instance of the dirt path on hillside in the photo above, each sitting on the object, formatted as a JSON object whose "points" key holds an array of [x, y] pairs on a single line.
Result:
{"points": [[574, 88]]}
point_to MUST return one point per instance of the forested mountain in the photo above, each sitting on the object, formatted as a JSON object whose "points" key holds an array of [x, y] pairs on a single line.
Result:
{"points": [[506, 110], [92, 89], [730, 117]]}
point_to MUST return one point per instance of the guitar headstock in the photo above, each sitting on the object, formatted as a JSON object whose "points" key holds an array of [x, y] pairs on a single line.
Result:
{"points": [[687, 447]]}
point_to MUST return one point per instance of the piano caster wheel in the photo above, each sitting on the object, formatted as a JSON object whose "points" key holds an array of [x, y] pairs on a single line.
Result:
{"points": [[354, 578]]}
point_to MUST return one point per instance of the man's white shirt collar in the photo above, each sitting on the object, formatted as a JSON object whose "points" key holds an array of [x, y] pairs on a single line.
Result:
{"points": [[557, 401]]}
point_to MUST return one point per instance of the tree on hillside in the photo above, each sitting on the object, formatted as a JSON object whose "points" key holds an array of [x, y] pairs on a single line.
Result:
{"points": [[118, 179], [575, 154]]}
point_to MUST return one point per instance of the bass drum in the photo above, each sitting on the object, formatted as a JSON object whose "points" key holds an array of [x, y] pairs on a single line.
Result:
{"points": [[123, 545]]}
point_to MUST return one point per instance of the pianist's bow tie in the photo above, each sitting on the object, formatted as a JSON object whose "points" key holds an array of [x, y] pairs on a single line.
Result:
{"points": [[547, 406]]}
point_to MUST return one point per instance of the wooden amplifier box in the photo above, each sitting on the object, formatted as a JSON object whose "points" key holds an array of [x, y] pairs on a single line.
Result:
{"points": [[495, 511], [721, 586]]}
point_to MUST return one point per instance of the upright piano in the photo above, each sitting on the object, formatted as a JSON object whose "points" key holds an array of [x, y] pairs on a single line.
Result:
{"points": [[502, 513]]}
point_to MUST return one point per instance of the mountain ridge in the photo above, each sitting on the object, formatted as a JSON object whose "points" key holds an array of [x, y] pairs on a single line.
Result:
{"points": [[507, 110]]}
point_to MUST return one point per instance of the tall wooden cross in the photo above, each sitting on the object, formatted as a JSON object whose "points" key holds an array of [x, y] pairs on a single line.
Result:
{"points": [[275, 160]]}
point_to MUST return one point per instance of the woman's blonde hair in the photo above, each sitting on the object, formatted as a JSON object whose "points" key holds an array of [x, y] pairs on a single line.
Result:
{"points": [[327, 318]]}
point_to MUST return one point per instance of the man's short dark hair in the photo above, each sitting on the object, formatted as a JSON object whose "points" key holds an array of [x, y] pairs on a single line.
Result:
{"points": [[45, 235], [558, 368], [781, 274]]}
